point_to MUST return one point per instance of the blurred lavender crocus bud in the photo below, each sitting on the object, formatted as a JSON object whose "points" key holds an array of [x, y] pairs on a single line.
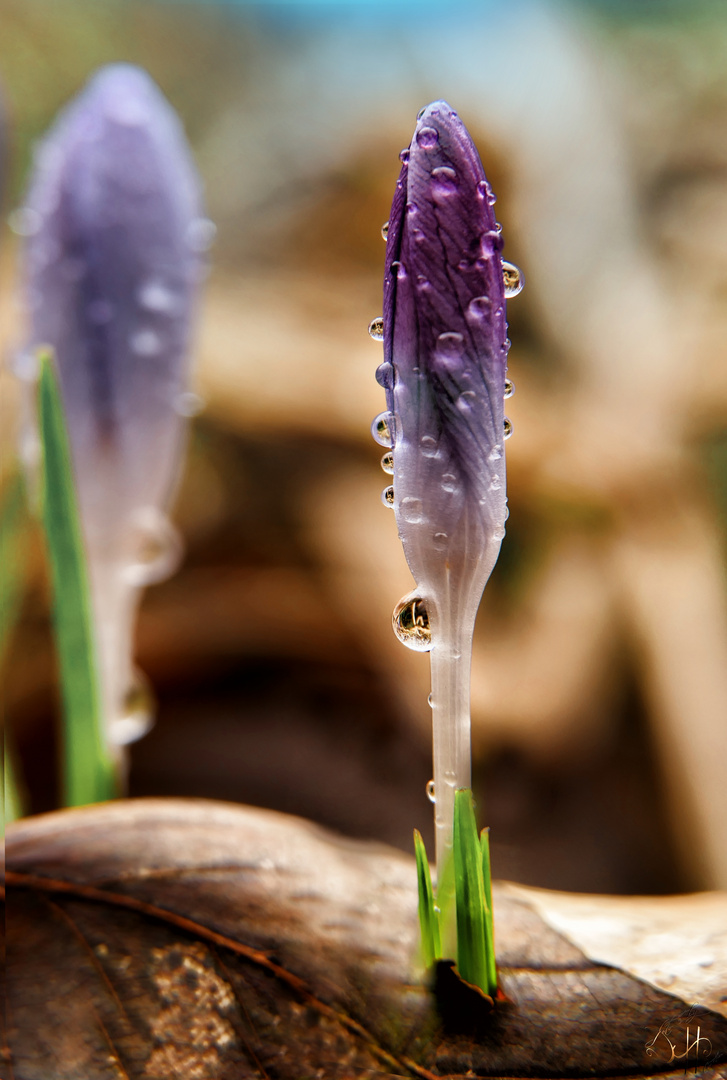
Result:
{"points": [[115, 235], [445, 358]]}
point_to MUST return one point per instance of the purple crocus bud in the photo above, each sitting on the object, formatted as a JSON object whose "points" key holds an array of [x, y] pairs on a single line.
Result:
{"points": [[445, 359], [112, 268], [115, 234]]}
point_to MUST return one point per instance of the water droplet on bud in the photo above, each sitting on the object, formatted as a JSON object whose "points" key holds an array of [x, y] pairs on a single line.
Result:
{"points": [[507, 428], [431, 795], [387, 496], [427, 137], [450, 344], [411, 623], [385, 230], [376, 328], [382, 428], [404, 155], [512, 279], [385, 375], [509, 388], [387, 462]]}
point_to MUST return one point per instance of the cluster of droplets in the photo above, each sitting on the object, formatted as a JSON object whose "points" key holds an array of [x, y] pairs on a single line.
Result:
{"points": [[410, 618]]}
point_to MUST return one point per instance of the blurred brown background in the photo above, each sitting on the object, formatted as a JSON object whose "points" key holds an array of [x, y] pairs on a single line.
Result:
{"points": [[600, 672]]}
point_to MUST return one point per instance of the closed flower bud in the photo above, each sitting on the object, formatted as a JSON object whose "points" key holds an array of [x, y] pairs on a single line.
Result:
{"points": [[112, 263], [112, 266], [445, 358]]}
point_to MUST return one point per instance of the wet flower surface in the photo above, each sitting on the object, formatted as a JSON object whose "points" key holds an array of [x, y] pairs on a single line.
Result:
{"points": [[445, 354], [445, 359], [115, 236], [114, 226]]}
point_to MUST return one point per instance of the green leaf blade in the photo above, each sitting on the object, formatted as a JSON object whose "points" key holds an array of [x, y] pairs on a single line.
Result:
{"points": [[470, 894], [428, 919], [88, 769], [489, 919]]}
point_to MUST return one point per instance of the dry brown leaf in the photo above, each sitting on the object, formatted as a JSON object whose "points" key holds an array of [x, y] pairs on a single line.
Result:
{"points": [[167, 938]]}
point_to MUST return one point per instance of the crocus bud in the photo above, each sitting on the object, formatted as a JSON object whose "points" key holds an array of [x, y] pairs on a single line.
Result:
{"points": [[115, 234], [112, 267], [445, 358]]}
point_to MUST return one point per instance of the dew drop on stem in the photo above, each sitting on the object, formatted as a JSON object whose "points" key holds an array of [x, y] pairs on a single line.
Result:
{"points": [[411, 623]]}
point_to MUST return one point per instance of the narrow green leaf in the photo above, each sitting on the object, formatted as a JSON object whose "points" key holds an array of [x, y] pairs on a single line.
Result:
{"points": [[470, 893], [12, 526], [12, 571], [489, 921], [88, 769], [428, 919]]}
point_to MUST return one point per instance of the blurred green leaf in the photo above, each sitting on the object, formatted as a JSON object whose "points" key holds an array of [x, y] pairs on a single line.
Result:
{"points": [[12, 525], [88, 769], [489, 922]]}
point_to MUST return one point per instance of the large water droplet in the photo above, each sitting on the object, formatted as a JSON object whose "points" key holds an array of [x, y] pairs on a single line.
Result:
{"points": [[512, 279], [450, 345], [509, 388], [25, 221], [466, 400], [137, 714], [376, 328], [404, 155], [427, 137], [412, 510], [411, 623], [145, 342], [387, 496], [444, 180], [431, 793], [382, 428], [385, 230], [507, 428], [156, 296], [387, 462], [479, 308], [385, 375], [156, 545]]}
